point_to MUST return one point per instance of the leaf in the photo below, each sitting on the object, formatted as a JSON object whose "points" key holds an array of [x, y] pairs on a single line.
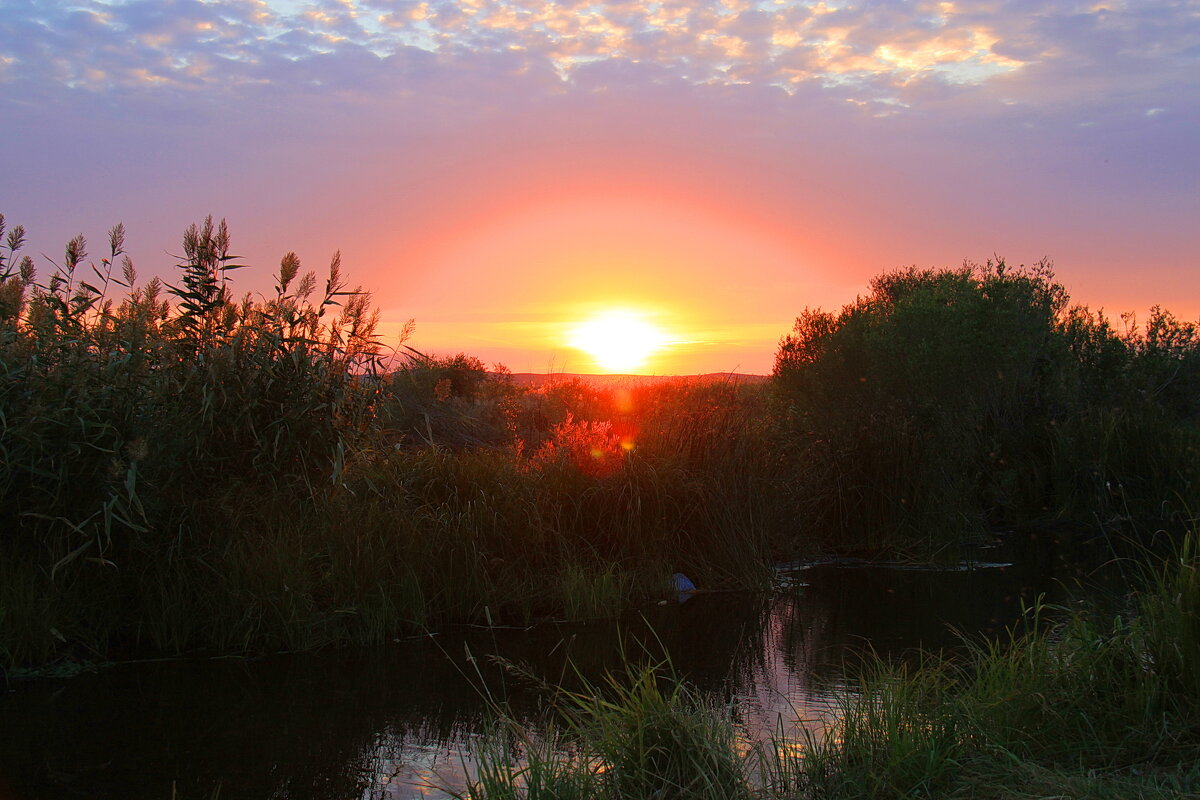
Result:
{"points": [[69, 557]]}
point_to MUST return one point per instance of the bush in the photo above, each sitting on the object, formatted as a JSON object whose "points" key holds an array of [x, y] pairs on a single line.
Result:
{"points": [[947, 401]]}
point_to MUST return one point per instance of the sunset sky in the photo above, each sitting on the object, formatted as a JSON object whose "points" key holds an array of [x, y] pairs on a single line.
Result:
{"points": [[501, 171]]}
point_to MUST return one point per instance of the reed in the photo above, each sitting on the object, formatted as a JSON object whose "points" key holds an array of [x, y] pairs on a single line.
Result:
{"points": [[186, 470], [1057, 703], [181, 469], [641, 734]]}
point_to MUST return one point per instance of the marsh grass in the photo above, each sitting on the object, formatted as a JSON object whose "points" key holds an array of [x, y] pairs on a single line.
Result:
{"points": [[1169, 616], [185, 470], [642, 733], [1073, 705], [406, 539], [181, 469], [591, 593], [1102, 705], [659, 738], [896, 735], [512, 764]]}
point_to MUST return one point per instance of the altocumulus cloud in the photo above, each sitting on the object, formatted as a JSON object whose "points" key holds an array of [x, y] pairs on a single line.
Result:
{"points": [[888, 56]]}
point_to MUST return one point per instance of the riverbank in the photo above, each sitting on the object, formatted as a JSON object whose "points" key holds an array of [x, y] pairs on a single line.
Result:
{"points": [[183, 472], [1091, 706], [343, 722]]}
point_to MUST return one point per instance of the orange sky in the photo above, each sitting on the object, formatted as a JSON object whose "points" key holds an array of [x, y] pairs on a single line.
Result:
{"points": [[499, 169], [721, 243], [512, 282]]}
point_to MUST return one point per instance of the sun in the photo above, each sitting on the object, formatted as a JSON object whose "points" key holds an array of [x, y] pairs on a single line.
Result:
{"points": [[618, 341]]}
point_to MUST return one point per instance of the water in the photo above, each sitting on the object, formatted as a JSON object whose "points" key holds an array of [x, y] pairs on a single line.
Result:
{"points": [[399, 721]]}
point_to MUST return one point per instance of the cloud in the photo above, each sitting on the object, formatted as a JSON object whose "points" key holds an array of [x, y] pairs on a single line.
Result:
{"points": [[1034, 55], [1014, 64], [969, 123]]}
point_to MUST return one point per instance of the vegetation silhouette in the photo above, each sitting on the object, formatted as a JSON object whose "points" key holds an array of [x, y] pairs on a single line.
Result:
{"points": [[946, 402], [181, 471], [185, 471]]}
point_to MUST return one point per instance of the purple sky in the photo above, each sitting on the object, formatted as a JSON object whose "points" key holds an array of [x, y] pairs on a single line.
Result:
{"points": [[497, 170]]}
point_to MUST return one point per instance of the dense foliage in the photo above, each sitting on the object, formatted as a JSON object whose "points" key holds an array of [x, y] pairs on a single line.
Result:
{"points": [[183, 470], [119, 416], [944, 401]]}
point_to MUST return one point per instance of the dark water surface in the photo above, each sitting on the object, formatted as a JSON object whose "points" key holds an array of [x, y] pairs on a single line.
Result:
{"points": [[399, 721]]}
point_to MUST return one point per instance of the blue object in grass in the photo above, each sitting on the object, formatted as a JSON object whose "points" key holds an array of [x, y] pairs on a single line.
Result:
{"points": [[683, 583]]}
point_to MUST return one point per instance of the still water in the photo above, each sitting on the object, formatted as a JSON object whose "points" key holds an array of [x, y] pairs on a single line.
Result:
{"points": [[401, 721]]}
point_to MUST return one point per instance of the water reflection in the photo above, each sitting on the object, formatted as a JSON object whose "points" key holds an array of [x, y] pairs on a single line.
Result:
{"points": [[398, 721]]}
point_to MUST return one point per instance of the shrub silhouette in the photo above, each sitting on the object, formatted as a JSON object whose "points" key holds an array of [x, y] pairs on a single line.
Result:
{"points": [[947, 400]]}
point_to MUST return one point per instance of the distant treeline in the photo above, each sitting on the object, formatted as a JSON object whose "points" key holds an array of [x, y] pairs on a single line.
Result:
{"points": [[182, 469]]}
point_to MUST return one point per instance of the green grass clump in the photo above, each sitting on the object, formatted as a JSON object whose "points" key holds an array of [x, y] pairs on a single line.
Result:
{"points": [[1066, 708], [662, 741], [1110, 693], [1169, 619], [1086, 702], [897, 735], [512, 765], [642, 735], [591, 593]]}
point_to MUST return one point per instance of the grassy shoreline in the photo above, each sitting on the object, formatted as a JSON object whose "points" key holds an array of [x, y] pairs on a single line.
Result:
{"points": [[188, 471], [1088, 707]]}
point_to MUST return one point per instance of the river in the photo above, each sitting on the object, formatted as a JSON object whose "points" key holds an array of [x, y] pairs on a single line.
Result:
{"points": [[401, 721]]}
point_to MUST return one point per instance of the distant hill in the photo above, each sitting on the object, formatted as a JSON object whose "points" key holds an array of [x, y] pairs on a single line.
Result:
{"points": [[536, 379]]}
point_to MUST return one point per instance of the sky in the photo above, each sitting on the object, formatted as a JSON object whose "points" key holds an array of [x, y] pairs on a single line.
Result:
{"points": [[501, 170]]}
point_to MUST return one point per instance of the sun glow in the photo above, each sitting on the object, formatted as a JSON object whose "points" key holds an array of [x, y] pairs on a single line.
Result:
{"points": [[618, 341]]}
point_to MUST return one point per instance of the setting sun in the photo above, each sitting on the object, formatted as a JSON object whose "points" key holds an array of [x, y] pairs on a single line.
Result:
{"points": [[618, 341]]}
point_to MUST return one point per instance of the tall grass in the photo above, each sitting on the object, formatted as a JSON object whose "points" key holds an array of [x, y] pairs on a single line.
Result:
{"points": [[1066, 707], [1054, 704], [898, 735], [512, 764], [657, 738], [642, 734], [186, 470]]}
